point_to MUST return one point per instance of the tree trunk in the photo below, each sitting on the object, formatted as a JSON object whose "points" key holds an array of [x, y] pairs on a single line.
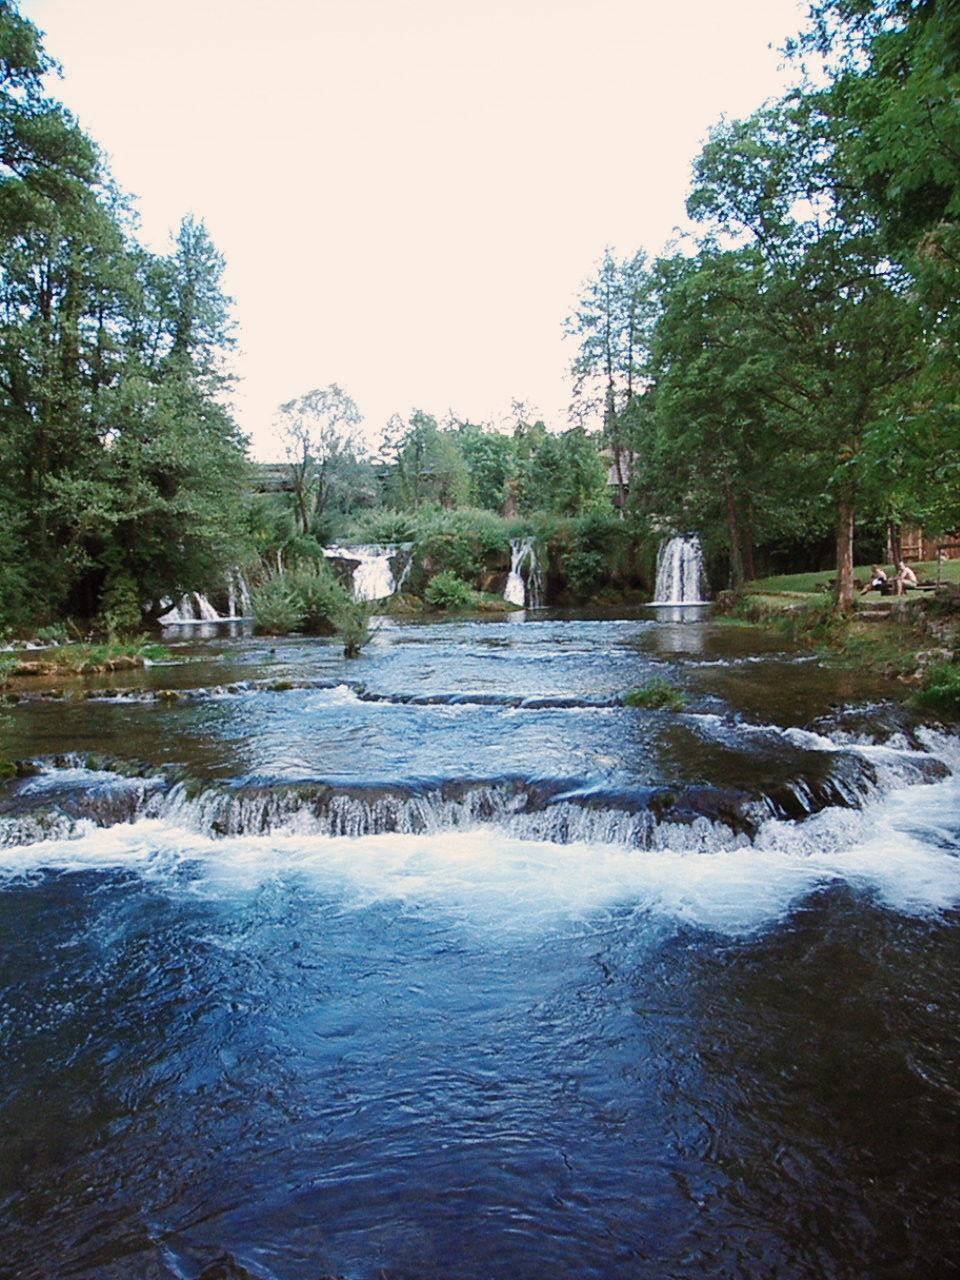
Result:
{"points": [[846, 589], [895, 541], [733, 528], [621, 482]]}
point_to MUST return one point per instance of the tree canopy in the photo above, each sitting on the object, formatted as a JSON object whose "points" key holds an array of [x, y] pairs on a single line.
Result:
{"points": [[122, 471]]}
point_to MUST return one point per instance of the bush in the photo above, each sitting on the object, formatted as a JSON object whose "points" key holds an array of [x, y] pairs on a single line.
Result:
{"points": [[120, 611], [276, 606], [308, 599], [592, 553], [941, 691], [655, 695], [448, 591], [465, 543], [381, 528], [54, 633], [353, 628], [322, 600]]}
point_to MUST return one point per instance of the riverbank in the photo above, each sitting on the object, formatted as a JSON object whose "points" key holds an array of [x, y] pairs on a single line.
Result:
{"points": [[914, 640], [81, 659]]}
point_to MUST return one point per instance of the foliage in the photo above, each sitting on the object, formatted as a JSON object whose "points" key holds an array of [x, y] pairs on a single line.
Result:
{"points": [[448, 591], [718, 457], [592, 552], [276, 605], [324, 456], [118, 463], [382, 526], [613, 323], [565, 474], [353, 627], [56, 633], [428, 465], [941, 691], [492, 465], [120, 613], [307, 599], [893, 99], [461, 542], [656, 694], [829, 308]]}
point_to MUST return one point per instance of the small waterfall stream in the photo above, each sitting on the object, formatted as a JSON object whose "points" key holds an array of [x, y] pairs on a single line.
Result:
{"points": [[193, 607], [373, 574], [524, 591], [196, 607], [681, 577]]}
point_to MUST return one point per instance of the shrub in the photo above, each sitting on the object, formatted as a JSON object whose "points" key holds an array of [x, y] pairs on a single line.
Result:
{"points": [[463, 542], [55, 633], [276, 606], [308, 599], [941, 691], [656, 694], [120, 611], [593, 552], [322, 600], [448, 591], [382, 528], [353, 627]]}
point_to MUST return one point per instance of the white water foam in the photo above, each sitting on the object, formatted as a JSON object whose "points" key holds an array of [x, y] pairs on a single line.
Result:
{"points": [[901, 850]]}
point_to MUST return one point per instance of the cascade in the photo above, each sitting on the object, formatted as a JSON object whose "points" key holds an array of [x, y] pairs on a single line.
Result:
{"points": [[681, 578], [192, 607], [519, 590], [373, 575], [196, 607], [238, 596]]}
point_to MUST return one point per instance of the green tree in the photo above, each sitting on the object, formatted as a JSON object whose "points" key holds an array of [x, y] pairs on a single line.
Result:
{"points": [[894, 106], [713, 454], [322, 448], [832, 309], [612, 323], [120, 468], [567, 475], [429, 466], [491, 461]]}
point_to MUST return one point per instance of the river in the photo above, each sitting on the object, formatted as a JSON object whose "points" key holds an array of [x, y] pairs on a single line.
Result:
{"points": [[443, 964]]}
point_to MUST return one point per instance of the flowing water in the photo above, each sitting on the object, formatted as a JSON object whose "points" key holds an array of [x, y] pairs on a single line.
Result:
{"points": [[445, 963], [372, 574], [681, 576]]}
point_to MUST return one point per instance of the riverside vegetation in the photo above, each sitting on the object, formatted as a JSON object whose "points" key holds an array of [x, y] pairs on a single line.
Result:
{"points": [[915, 640]]}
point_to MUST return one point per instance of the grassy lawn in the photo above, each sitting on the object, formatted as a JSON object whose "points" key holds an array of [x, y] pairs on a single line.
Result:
{"points": [[805, 583]]}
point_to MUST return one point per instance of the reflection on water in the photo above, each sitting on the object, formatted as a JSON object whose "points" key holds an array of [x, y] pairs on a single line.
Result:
{"points": [[185, 632], [494, 1033], [682, 613], [680, 635]]}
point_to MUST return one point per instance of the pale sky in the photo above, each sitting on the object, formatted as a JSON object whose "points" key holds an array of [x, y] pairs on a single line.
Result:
{"points": [[410, 194]]}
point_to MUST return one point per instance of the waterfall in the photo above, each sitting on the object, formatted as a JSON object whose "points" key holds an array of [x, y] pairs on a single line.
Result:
{"points": [[193, 607], [238, 595], [681, 578], [519, 590], [373, 573]]}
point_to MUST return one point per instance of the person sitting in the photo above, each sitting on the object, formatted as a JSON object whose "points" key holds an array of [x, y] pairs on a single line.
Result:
{"points": [[905, 578], [878, 578]]}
